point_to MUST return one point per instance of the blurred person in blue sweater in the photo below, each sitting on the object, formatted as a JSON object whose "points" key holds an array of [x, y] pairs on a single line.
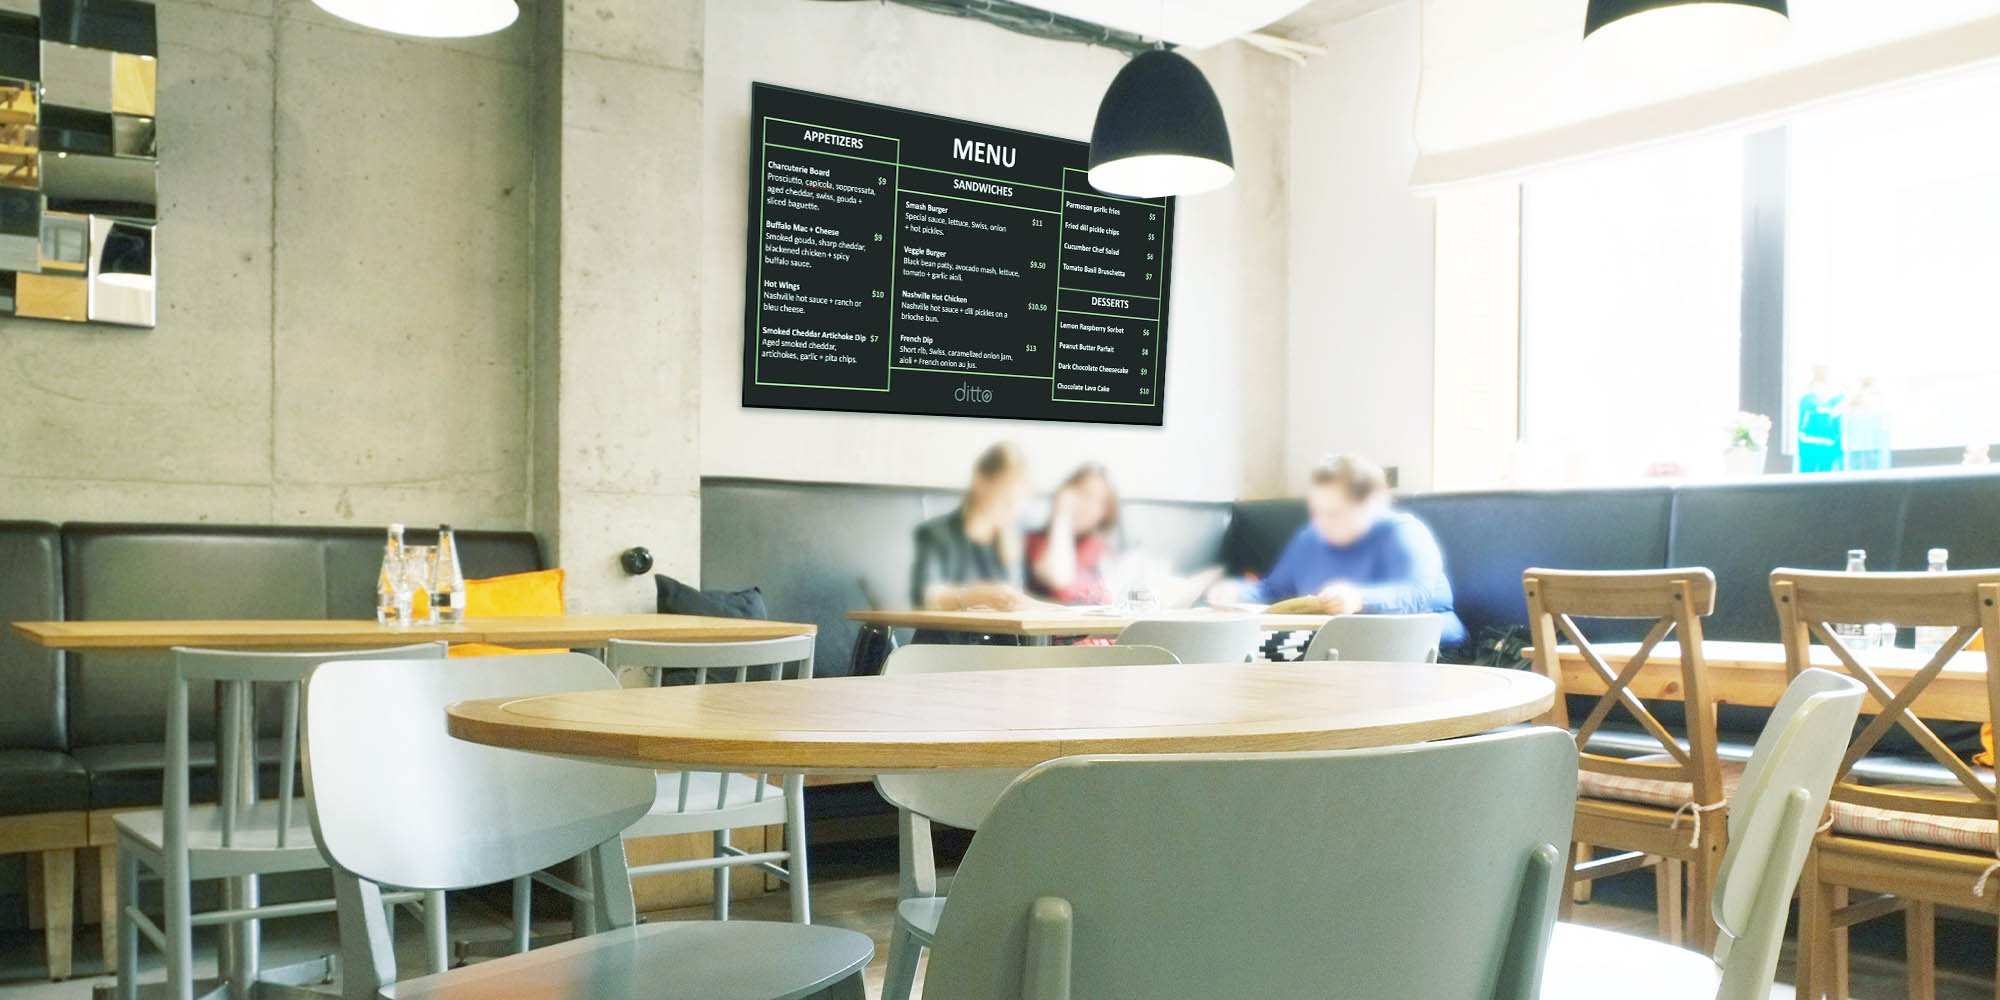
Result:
{"points": [[1356, 552]]}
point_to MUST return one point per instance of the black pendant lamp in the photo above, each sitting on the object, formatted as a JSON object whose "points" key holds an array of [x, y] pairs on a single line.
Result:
{"points": [[1160, 131], [1603, 13]]}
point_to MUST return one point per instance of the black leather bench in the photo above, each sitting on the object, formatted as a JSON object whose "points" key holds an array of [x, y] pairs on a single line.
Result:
{"points": [[81, 735]]}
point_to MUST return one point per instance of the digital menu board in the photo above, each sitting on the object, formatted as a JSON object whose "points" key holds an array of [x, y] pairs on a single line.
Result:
{"points": [[906, 263]]}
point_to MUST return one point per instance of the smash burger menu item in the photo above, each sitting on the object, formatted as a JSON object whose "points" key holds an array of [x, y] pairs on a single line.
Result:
{"points": [[905, 263]]}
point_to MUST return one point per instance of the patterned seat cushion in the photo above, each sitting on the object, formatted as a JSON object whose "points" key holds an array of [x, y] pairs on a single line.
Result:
{"points": [[1981, 835], [1652, 791]]}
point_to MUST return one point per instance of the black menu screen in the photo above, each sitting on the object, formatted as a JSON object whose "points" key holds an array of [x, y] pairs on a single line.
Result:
{"points": [[905, 263]]}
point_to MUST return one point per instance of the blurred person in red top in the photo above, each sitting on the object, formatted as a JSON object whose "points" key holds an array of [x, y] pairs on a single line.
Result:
{"points": [[1066, 558]]}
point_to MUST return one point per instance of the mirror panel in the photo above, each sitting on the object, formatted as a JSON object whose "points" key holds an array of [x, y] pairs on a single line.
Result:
{"points": [[79, 174]]}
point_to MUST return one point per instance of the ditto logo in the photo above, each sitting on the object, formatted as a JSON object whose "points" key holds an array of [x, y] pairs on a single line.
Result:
{"points": [[969, 393]]}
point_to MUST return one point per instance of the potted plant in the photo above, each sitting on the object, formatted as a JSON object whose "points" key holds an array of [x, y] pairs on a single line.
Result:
{"points": [[1748, 435]]}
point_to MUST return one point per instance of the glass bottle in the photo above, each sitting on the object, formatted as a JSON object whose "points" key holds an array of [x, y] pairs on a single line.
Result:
{"points": [[1854, 634], [393, 596], [1931, 638], [447, 581]]}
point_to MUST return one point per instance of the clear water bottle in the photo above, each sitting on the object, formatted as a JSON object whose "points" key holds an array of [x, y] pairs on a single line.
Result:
{"points": [[393, 595], [1855, 634], [1931, 638], [447, 581]]}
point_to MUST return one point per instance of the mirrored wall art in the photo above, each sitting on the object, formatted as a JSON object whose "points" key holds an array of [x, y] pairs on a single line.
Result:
{"points": [[79, 160]]}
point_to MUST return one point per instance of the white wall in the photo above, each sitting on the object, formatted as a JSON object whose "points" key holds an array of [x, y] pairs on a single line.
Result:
{"points": [[1360, 345], [1226, 337]]}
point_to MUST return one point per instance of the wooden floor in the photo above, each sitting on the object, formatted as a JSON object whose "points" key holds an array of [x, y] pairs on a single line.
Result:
{"points": [[855, 887]]}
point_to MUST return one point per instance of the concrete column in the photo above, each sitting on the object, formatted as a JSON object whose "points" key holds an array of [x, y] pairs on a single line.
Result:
{"points": [[617, 137]]}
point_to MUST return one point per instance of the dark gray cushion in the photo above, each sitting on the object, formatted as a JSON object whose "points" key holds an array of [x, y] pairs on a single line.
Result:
{"points": [[133, 571], [677, 598], [1742, 532], [129, 775], [1258, 531], [817, 550], [41, 781], [1960, 513], [211, 571], [31, 713], [1490, 539]]}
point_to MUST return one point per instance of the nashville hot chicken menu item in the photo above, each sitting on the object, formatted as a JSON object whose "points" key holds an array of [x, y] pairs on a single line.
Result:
{"points": [[905, 263]]}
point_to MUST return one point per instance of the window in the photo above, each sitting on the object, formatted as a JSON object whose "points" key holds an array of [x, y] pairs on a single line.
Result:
{"points": [[1631, 306], [1892, 254], [1637, 273]]}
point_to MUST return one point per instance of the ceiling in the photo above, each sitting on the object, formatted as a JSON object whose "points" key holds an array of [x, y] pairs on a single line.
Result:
{"points": [[1191, 23], [1322, 13]]}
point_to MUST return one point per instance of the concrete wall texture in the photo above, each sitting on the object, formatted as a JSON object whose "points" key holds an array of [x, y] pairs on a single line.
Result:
{"points": [[344, 312], [497, 282]]}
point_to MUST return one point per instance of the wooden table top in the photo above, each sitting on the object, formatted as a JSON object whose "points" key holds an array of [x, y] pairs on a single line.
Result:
{"points": [[561, 630], [1010, 718], [1753, 673], [1055, 620]]}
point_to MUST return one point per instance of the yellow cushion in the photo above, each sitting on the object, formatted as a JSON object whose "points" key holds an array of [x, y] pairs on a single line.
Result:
{"points": [[1984, 758], [520, 595]]}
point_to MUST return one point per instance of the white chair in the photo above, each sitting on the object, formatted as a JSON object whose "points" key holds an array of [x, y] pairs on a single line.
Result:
{"points": [[1184, 875], [958, 798], [237, 837], [1378, 639], [716, 803], [1219, 639], [395, 800], [1772, 820]]}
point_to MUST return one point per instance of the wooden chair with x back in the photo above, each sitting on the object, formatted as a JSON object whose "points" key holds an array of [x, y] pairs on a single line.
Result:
{"points": [[1661, 809], [1909, 847]]}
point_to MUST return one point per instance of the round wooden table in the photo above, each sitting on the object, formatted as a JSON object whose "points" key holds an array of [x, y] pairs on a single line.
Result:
{"points": [[1010, 718]]}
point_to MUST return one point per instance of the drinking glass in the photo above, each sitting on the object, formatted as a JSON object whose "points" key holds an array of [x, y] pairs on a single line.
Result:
{"points": [[1141, 600], [417, 560]]}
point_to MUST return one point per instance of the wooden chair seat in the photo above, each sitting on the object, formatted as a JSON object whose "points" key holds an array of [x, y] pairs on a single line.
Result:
{"points": [[1653, 791], [1875, 823]]}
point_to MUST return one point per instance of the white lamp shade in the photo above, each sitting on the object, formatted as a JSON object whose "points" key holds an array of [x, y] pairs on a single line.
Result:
{"points": [[1160, 175], [1700, 34], [427, 18]]}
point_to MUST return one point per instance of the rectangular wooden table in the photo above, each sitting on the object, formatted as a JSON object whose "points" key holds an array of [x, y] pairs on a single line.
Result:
{"points": [[567, 631], [1040, 624], [561, 630], [1753, 673]]}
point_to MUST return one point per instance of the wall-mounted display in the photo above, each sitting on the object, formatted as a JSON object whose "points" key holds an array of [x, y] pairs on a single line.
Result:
{"points": [[905, 263], [79, 160]]}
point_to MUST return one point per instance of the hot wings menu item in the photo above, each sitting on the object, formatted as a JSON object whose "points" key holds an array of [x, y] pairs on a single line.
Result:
{"points": [[906, 263]]}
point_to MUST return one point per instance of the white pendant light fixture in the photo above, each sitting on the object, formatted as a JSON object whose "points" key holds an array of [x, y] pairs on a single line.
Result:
{"points": [[427, 18], [1160, 131]]}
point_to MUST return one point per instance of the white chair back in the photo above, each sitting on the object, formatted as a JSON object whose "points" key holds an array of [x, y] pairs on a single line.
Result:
{"points": [[700, 663], [396, 800], [234, 677], [1772, 820], [961, 798], [1079, 885], [1378, 639], [1230, 639]]}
